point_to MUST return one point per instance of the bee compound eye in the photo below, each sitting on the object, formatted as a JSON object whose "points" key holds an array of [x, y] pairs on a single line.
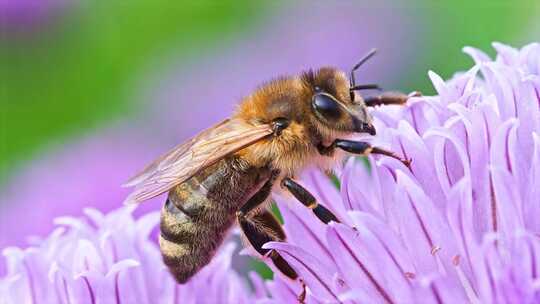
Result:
{"points": [[326, 106]]}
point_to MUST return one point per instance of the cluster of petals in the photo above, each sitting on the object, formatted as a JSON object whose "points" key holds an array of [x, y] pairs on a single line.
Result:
{"points": [[461, 224], [111, 258]]}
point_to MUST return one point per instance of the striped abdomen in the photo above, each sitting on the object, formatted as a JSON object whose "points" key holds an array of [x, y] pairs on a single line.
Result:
{"points": [[199, 212]]}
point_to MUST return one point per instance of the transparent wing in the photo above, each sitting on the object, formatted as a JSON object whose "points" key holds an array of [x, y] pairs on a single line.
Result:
{"points": [[198, 153], [174, 154]]}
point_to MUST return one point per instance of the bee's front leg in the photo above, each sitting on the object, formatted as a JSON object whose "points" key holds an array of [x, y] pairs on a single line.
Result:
{"points": [[364, 148], [308, 200]]}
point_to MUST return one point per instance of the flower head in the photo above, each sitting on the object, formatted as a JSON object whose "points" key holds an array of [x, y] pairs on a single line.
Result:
{"points": [[461, 224], [111, 259]]}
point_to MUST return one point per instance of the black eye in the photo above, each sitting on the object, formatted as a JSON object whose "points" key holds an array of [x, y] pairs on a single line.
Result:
{"points": [[326, 106]]}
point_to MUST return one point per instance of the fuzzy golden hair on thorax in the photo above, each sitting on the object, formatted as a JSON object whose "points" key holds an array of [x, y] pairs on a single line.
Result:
{"points": [[291, 98], [280, 98]]}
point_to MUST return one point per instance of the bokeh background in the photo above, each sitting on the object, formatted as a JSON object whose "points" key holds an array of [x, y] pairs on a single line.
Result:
{"points": [[92, 90]]}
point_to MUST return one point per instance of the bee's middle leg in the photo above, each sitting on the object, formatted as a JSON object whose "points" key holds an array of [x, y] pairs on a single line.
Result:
{"points": [[308, 200]]}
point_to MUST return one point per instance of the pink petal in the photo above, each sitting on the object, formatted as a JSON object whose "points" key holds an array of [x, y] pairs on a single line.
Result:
{"points": [[316, 275], [359, 268], [506, 54], [423, 229], [531, 202], [303, 227], [439, 84], [451, 161], [422, 162], [501, 86], [358, 189], [282, 291], [477, 55], [461, 216], [508, 203]]}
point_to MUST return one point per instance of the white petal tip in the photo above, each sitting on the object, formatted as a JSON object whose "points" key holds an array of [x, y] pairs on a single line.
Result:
{"points": [[128, 184], [131, 200]]}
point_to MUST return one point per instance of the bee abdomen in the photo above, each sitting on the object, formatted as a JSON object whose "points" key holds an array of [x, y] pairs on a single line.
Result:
{"points": [[187, 242], [176, 225], [199, 212], [179, 259]]}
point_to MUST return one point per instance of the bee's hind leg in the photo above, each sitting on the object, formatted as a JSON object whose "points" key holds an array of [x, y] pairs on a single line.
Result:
{"points": [[308, 200], [263, 227]]}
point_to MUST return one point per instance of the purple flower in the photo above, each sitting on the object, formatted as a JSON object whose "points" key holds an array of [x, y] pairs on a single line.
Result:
{"points": [[111, 259], [462, 225]]}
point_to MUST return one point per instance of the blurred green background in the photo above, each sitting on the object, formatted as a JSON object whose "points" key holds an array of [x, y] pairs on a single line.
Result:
{"points": [[72, 70], [76, 73]]}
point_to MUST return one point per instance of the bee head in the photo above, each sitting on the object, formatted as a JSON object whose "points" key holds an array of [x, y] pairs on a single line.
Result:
{"points": [[333, 104]]}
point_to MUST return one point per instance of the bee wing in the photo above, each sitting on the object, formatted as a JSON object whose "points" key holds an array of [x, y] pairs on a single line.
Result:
{"points": [[173, 155], [187, 159]]}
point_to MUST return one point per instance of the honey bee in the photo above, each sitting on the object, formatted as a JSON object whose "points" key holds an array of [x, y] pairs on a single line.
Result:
{"points": [[227, 172]]}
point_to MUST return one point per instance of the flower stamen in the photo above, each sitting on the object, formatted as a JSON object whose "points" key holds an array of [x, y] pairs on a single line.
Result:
{"points": [[410, 275]]}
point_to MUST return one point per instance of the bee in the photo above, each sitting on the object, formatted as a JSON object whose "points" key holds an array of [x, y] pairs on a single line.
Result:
{"points": [[226, 173]]}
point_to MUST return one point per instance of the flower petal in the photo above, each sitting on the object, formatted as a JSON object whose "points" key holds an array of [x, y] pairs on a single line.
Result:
{"points": [[303, 227], [367, 265], [477, 55], [316, 275]]}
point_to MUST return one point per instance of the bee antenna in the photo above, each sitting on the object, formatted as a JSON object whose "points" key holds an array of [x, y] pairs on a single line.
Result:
{"points": [[359, 64]]}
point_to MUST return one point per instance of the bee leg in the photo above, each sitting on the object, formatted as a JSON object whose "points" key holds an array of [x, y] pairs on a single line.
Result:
{"points": [[261, 228], [306, 198], [260, 196], [389, 99], [364, 148]]}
